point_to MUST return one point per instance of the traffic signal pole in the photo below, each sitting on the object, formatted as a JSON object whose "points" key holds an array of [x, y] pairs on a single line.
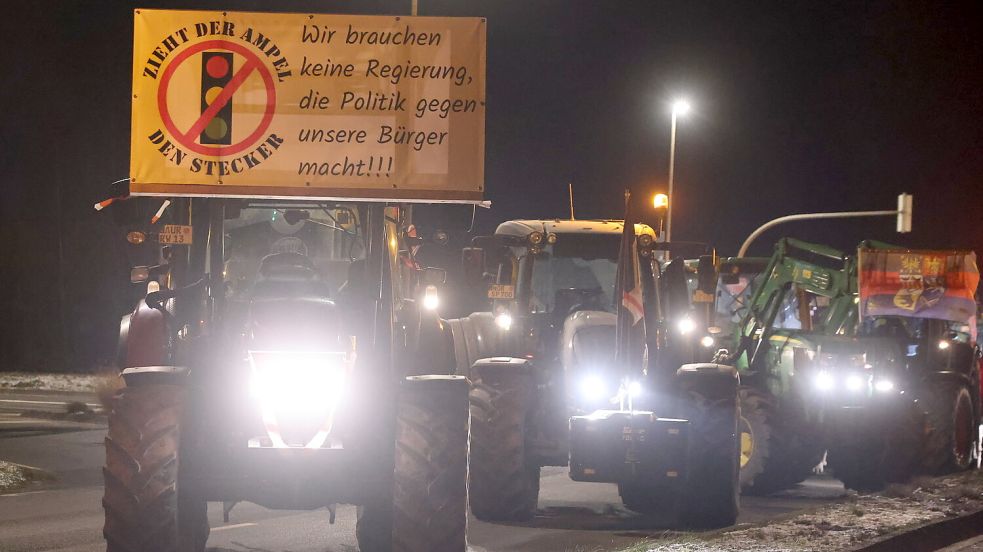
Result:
{"points": [[903, 212]]}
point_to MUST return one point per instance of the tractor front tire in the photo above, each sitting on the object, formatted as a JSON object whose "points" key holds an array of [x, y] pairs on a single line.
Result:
{"points": [[428, 510], [950, 432], [711, 497], [503, 485], [779, 454], [877, 456], [147, 506]]}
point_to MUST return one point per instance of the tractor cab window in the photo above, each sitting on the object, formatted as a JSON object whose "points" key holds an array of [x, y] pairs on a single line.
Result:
{"points": [[577, 272], [267, 246]]}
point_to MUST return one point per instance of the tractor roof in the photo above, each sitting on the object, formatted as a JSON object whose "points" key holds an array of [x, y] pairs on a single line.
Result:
{"points": [[522, 228]]}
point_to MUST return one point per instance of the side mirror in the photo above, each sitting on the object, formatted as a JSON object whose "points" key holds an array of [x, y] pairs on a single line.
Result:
{"points": [[473, 263], [441, 237], [706, 275], [434, 276], [730, 273], [139, 274]]}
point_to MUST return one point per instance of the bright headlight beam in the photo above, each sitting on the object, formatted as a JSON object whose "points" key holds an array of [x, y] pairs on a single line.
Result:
{"points": [[854, 382], [824, 381], [686, 325], [706, 341], [634, 389], [298, 381], [430, 298], [884, 386], [593, 388], [504, 321]]}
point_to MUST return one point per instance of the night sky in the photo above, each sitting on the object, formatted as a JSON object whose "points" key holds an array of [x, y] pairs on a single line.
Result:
{"points": [[798, 107]]}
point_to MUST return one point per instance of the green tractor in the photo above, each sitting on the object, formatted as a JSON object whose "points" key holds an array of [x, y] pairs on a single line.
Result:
{"points": [[278, 355], [580, 362], [818, 377]]}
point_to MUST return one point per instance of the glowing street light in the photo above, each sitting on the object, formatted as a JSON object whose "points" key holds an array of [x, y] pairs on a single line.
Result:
{"points": [[660, 201], [680, 107]]}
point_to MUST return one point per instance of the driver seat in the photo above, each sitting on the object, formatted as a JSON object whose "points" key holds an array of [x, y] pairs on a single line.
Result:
{"points": [[288, 275]]}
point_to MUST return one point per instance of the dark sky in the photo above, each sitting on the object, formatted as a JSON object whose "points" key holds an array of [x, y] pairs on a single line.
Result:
{"points": [[798, 107]]}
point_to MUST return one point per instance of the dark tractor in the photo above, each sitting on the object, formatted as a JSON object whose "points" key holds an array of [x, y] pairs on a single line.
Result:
{"points": [[579, 362], [278, 355]]}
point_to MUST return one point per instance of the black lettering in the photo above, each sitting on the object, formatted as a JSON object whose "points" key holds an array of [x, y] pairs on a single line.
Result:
{"points": [[250, 160]]}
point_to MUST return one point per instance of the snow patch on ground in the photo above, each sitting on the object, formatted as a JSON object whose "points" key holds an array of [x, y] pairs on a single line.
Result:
{"points": [[837, 527], [14, 477], [88, 383]]}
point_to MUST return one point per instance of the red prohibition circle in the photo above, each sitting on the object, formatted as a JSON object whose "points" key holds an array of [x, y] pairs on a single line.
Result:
{"points": [[187, 139]]}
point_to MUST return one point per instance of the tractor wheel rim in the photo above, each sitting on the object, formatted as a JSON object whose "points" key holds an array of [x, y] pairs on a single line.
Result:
{"points": [[747, 442]]}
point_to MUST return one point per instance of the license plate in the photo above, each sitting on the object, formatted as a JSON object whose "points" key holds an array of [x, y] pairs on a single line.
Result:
{"points": [[501, 291], [175, 234], [702, 297]]}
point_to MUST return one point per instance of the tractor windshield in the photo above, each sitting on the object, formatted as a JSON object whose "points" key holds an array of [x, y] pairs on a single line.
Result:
{"points": [[267, 244], [578, 271]]}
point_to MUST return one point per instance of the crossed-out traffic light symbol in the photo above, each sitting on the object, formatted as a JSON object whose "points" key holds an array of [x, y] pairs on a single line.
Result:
{"points": [[216, 72]]}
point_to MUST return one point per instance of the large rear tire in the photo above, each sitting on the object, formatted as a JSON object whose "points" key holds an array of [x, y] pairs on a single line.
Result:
{"points": [[779, 454], [428, 510], [950, 430], [148, 508], [504, 486]]}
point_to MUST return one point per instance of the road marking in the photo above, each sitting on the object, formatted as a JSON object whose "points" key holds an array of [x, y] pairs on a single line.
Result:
{"points": [[236, 526], [42, 402]]}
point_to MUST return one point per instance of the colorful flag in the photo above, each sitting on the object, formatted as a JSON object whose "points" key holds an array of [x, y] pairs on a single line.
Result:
{"points": [[918, 284]]}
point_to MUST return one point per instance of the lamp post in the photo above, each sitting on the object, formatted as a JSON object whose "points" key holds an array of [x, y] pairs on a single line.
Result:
{"points": [[679, 108]]}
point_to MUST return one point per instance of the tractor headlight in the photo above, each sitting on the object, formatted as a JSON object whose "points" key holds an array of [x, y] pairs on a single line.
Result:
{"points": [[706, 341], [824, 381], [504, 321], [854, 382], [308, 381], [884, 386], [686, 325], [430, 298], [594, 388], [634, 389]]}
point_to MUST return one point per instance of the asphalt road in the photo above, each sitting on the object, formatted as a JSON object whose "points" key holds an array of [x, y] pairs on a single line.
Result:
{"points": [[66, 515]]}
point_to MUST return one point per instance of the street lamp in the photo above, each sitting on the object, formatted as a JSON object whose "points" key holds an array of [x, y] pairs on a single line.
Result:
{"points": [[680, 108]]}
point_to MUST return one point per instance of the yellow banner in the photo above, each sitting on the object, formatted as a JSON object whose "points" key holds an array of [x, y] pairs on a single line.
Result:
{"points": [[299, 105]]}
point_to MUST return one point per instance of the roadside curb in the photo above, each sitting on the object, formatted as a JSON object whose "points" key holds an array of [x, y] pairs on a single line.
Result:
{"points": [[931, 536]]}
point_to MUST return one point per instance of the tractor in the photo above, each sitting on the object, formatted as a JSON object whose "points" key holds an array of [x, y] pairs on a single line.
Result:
{"points": [[278, 354], [817, 377], [580, 362]]}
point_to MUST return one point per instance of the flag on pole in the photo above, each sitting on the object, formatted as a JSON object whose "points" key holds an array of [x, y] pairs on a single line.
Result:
{"points": [[628, 286]]}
